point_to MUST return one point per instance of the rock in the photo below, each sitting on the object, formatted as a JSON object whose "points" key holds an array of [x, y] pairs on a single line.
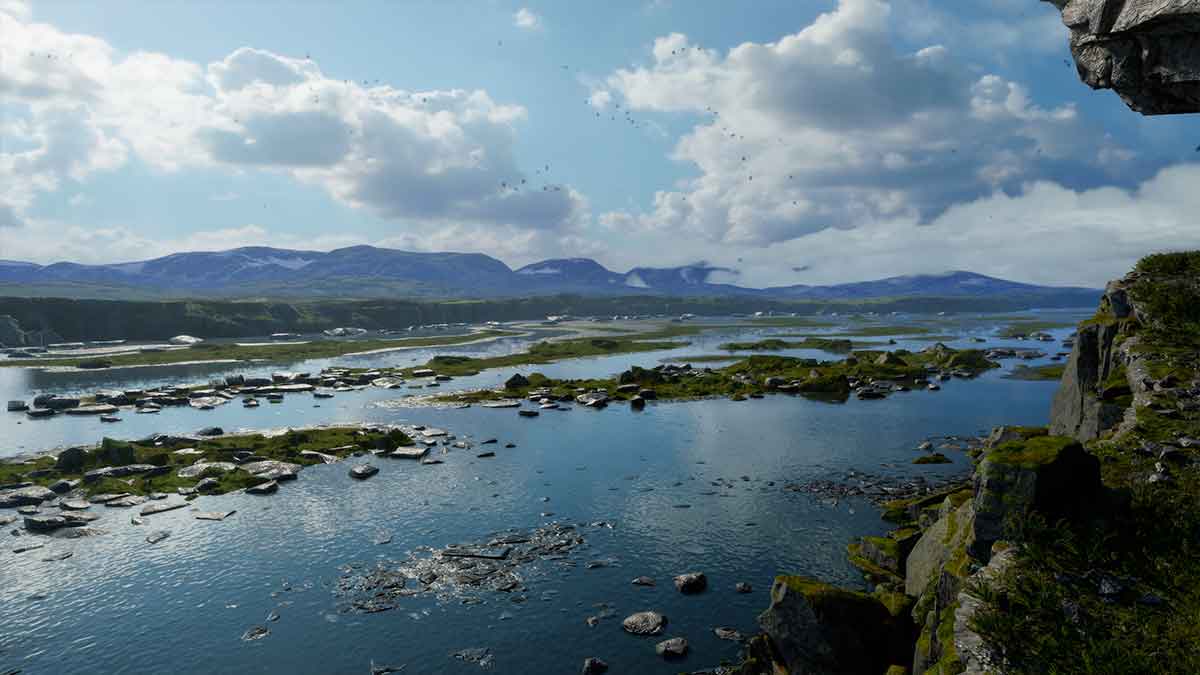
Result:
{"points": [[637, 403], [890, 359], [938, 543], [118, 472], [208, 485], [161, 508], [185, 340], [594, 666], [212, 515], [926, 446], [63, 486], [322, 457], [26, 496], [1079, 410], [1052, 475], [256, 633], [724, 633], [363, 471], [126, 502], [1144, 50], [643, 581], [44, 523], [74, 504], [743, 587], [517, 381], [644, 623], [269, 487], [272, 470], [674, 648], [817, 628], [195, 470], [414, 452], [484, 455], [211, 431], [648, 394], [157, 536], [17, 406], [692, 582], [71, 460]]}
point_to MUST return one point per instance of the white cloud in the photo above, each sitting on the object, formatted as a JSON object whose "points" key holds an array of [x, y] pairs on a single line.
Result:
{"points": [[1044, 233], [427, 158], [526, 19], [835, 126]]}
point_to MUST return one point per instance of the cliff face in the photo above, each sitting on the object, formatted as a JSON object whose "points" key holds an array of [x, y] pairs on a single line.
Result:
{"points": [[1073, 545], [1094, 392], [1148, 51]]}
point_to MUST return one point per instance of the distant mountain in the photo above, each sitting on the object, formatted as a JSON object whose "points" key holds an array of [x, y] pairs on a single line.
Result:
{"points": [[369, 272]]}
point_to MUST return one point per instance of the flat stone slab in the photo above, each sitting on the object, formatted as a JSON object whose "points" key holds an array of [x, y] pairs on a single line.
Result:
{"points": [[409, 452], [106, 497], [157, 536], [126, 502], [212, 515], [26, 496], [152, 509], [198, 468], [478, 552]]}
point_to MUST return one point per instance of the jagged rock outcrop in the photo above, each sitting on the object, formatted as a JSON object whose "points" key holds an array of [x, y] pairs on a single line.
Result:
{"points": [[1091, 396], [1148, 51], [818, 628], [1052, 475]]}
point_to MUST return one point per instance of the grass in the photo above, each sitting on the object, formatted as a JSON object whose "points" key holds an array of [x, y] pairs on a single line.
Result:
{"points": [[776, 344], [338, 441], [1052, 371], [316, 349], [1026, 327], [823, 379]]}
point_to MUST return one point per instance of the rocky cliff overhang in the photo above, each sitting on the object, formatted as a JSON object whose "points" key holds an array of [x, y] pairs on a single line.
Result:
{"points": [[1148, 51]]}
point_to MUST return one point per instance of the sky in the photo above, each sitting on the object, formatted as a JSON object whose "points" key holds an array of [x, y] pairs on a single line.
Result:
{"points": [[784, 142]]}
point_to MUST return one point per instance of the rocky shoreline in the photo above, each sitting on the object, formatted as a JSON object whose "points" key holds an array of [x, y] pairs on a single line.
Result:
{"points": [[975, 574]]}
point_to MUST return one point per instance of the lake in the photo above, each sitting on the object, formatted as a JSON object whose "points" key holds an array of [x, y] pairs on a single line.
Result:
{"points": [[685, 486]]}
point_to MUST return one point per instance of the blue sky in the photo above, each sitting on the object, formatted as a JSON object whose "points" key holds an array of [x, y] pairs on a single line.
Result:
{"points": [[888, 137]]}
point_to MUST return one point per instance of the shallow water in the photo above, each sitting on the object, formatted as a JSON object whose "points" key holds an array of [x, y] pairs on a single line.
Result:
{"points": [[121, 605]]}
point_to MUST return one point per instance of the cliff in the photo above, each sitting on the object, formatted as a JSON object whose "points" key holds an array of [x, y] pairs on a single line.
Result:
{"points": [[1074, 548], [1148, 51]]}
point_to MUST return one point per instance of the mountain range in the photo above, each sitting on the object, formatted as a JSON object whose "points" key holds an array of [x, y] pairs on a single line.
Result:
{"points": [[370, 272]]}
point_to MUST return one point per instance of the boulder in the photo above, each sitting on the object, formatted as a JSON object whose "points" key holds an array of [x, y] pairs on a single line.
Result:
{"points": [[1052, 475], [195, 470], [115, 453], [1078, 409], [594, 666], [692, 582], [674, 648], [210, 431], [890, 359], [31, 495], [72, 460], [517, 381], [272, 470], [363, 471], [945, 539], [644, 623], [818, 628]]}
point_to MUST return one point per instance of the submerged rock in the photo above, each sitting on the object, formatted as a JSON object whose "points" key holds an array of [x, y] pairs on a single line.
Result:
{"points": [[594, 666]]}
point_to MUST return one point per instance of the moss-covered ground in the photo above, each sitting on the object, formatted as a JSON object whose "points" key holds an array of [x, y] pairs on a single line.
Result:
{"points": [[287, 446]]}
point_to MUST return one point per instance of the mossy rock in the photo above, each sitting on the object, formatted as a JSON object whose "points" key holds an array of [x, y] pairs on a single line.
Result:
{"points": [[935, 458], [816, 627]]}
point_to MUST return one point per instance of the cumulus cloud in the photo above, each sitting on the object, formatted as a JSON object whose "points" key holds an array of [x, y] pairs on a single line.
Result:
{"points": [[428, 158], [1042, 233], [526, 19], [836, 126]]}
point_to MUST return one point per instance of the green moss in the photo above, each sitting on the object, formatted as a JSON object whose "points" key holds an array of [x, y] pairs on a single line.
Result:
{"points": [[338, 441], [871, 571], [935, 458], [897, 604], [948, 663], [1051, 371], [776, 344], [1031, 452]]}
